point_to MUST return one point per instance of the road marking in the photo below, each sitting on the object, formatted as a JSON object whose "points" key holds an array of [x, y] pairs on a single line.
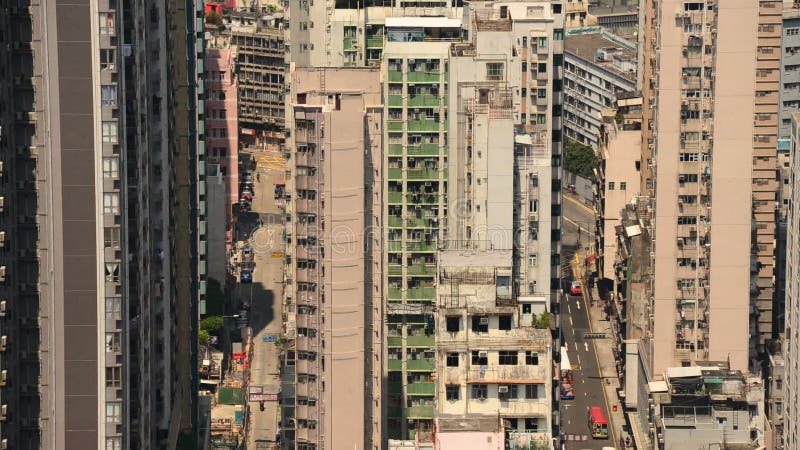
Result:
{"points": [[579, 359], [568, 310], [586, 346], [577, 203], [576, 346], [578, 304], [570, 321]]}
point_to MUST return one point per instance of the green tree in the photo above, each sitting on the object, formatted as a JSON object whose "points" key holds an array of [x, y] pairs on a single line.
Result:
{"points": [[215, 298], [579, 159], [542, 321], [211, 324], [203, 337]]}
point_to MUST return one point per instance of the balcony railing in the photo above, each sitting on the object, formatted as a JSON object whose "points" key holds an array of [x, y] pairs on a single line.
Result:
{"points": [[421, 293], [422, 174], [395, 294], [421, 246], [395, 149], [420, 365], [395, 125], [420, 341], [395, 222], [396, 197], [422, 269], [395, 76], [422, 100], [423, 77], [395, 173], [423, 125], [396, 100], [420, 223], [420, 412], [375, 41], [422, 199], [421, 389], [423, 150]]}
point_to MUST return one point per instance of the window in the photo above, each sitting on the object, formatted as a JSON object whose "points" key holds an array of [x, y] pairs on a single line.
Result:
{"points": [[113, 412], [541, 93], [480, 391], [114, 443], [479, 358], [114, 377], [111, 237], [622, 185], [107, 23], [108, 59], [687, 220], [480, 324], [113, 308], [110, 132], [452, 359], [453, 392], [505, 322], [108, 95], [542, 42], [112, 273], [558, 34], [792, 31], [494, 71], [111, 203], [110, 167], [453, 324], [531, 358], [113, 343], [526, 307], [531, 391], [506, 392], [610, 185], [533, 260], [508, 358]]}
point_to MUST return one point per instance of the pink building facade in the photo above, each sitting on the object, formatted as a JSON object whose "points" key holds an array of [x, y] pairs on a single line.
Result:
{"points": [[222, 137]]}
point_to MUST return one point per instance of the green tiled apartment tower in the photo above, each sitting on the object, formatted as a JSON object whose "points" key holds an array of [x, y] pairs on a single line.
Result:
{"points": [[416, 208]]}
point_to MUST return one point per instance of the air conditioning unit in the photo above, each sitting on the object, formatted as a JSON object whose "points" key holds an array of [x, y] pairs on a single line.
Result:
{"points": [[2, 274], [502, 389], [4, 444], [3, 307], [3, 343], [482, 354], [2, 239], [484, 321], [2, 203], [3, 413], [3, 377]]}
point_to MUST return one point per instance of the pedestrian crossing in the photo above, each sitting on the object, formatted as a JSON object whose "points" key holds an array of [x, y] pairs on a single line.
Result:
{"points": [[576, 437]]}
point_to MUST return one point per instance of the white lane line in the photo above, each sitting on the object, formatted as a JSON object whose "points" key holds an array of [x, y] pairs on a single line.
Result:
{"points": [[568, 310], [586, 346], [570, 321], [579, 359], [576, 346]]}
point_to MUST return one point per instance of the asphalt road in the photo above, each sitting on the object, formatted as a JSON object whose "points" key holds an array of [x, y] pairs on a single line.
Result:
{"points": [[574, 323]]}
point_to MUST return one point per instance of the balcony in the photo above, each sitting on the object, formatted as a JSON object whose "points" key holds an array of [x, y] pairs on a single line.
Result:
{"points": [[421, 174], [423, 77], [396, 100], [395, 294], [420, 365], [396, 197], [500, 374], [421, 293], [395, 365], [420, 341], [395, 222], [395, 125], [420, 223], [422, 100], [394, 341], [423, 150], [395, 246], [421, 247], [420, 412], [421, 389], [375, 41], [395, 173], [395, 149], [395, 76], [422, 199], [421, 126], [395, 270], [421, 270]]}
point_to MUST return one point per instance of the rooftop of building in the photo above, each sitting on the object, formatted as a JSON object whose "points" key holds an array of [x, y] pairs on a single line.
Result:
{"points": [[467, 258], [474, 423], [604, 49], [613, 9], [713, 380]]}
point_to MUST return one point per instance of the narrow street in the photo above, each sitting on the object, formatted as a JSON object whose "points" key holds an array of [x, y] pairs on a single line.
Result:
{"points": [[575, 324], [262, 229]]}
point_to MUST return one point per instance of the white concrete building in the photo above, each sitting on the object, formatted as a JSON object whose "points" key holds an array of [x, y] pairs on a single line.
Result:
{"points": [[598, 67]]}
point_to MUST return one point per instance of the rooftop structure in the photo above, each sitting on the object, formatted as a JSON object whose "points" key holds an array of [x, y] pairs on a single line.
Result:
{"points": [[708, 406]]}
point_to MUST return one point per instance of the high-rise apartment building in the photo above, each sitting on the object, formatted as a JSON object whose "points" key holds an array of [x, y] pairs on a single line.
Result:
{"points": [[96, 347], [333, 260], [713, 74], [791, 344]]}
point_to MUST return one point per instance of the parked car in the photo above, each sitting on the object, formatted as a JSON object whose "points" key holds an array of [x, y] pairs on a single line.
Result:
{"points": [[246, 276], [247, 253], [575, 288]]}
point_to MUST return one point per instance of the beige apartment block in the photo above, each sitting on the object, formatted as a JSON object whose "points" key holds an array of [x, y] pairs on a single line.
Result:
{"points": [[617, 179], [714, 137], [333, 259], [493, 349], [791, 429]]}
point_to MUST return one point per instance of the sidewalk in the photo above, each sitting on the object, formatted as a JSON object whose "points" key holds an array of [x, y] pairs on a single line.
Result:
{"points": [[608, 367]]}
